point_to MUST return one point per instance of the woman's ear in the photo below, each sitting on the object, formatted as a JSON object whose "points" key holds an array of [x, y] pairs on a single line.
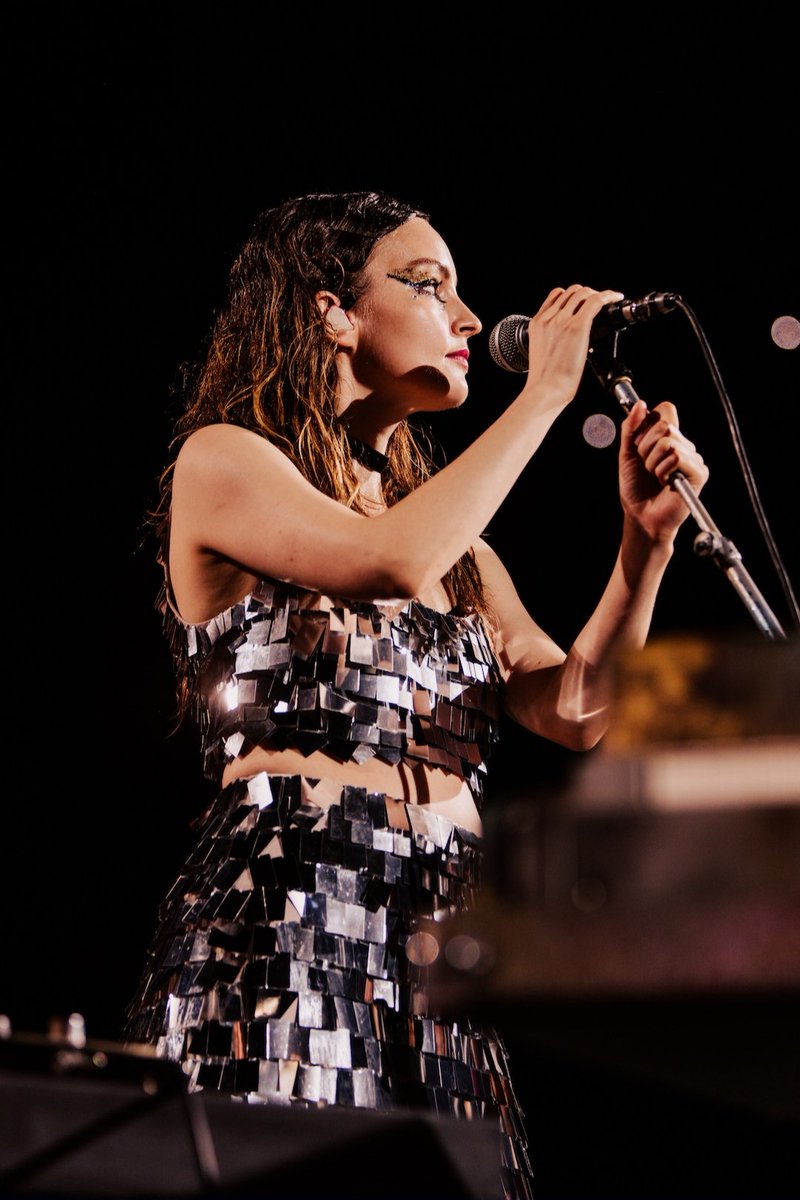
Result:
{"points": [[336, 318]]}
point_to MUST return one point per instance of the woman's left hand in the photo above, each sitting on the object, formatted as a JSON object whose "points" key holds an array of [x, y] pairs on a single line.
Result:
{"points": [[652, 449]]}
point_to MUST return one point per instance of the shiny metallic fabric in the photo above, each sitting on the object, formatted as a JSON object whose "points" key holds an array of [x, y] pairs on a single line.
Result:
{"points": [[290, 962], [288, 667]]}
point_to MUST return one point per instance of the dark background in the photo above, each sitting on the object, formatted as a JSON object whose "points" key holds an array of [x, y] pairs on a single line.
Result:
{"points": [[142, 144]]}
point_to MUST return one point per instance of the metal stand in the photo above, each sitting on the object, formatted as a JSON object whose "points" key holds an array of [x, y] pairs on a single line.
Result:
{"points": [[710, 542]]}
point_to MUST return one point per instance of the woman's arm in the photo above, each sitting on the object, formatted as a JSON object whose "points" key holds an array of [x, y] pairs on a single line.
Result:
{"points": [[240, 506], [565, 697]]}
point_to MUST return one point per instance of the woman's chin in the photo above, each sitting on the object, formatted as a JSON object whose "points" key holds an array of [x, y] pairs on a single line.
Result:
{"points": [[444, 391]]}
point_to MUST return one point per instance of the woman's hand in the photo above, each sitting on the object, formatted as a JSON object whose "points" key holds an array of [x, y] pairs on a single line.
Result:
{"points": [[558, 342], [652, 449]]}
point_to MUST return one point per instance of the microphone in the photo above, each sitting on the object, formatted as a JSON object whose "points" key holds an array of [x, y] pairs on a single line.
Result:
{"points": [[508, 341]]}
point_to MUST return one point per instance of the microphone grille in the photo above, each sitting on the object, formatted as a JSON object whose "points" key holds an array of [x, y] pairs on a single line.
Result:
{"points": [[508, 343]]}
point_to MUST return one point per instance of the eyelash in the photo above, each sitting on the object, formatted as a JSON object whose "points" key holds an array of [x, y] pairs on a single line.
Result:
{"points": [[419, 284]]}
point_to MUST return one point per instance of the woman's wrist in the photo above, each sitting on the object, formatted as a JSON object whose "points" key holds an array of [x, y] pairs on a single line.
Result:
{"points": [[639, 544], [544, 400]]}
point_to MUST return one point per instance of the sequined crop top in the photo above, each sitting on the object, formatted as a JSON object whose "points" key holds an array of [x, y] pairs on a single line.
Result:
{"points": [[287, 667]]}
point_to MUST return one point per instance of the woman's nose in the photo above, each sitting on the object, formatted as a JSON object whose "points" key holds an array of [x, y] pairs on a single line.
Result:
{"points": [[466, 323]]}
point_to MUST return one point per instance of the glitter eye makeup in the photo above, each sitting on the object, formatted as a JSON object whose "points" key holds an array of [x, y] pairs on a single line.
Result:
{"points": [[422, 285]]}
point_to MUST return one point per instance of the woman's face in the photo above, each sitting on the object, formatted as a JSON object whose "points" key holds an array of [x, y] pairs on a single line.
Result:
{"points": [[411, 328]]}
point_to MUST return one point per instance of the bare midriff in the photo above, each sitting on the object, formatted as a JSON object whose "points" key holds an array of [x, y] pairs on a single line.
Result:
{"points": [[441, 792]]}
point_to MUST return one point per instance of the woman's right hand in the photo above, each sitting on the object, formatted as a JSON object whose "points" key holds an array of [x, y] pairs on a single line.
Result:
{"points": [[558, 343]]}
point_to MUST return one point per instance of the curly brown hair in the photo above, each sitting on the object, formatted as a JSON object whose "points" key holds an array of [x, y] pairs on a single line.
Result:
{"points": [[270, 364]]}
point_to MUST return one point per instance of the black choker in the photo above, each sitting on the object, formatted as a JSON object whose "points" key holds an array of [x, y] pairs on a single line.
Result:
{"points": [[368, 456]]}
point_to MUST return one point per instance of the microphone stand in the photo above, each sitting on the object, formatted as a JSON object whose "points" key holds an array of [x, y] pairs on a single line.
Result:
{"points": [[709, 542]]}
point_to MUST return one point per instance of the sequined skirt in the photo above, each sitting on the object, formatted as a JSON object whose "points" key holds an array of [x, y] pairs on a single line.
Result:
{"points": [[286, 968]]}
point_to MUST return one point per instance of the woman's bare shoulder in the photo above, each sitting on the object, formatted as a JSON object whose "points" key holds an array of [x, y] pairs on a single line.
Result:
{"points": [[224, 452], [222, 435]]}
